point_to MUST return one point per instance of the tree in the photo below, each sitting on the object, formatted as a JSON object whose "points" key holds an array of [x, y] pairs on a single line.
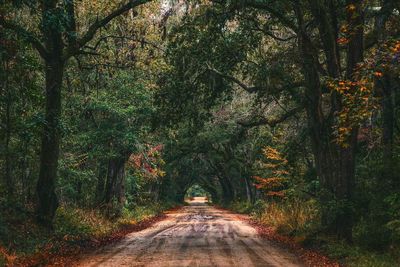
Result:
{"points": [[61, 41]]}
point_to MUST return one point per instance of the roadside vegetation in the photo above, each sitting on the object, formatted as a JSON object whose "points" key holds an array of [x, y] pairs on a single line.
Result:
{"points": [[296, 223], [75, 231]]}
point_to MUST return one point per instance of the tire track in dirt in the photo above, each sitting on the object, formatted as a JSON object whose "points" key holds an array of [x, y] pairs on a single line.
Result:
{"points": [[197, 235]]}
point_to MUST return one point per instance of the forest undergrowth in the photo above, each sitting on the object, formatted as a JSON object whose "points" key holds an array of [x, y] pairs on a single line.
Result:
{"points": [[295, 224], [24, 243]]}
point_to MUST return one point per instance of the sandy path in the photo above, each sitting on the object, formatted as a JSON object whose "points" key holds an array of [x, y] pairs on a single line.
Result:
{"points": [[197, 235]]}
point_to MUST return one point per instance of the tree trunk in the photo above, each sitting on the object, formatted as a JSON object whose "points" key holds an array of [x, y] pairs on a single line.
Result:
{"points": [[8, 173], [101, 180], [8, 180], [180, 197], [213, 192], [50, 147], [47, 199], [386, 86], [249, 192], [388, 122], [115, 183], [26, 174], [336, 169], [335, 163], [228, 194]]}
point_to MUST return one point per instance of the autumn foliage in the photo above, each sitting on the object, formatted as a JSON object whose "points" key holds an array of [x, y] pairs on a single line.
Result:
{"points": [[274, 165], [360, 97]]}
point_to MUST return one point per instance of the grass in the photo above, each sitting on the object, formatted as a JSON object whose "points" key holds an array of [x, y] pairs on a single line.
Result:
{"points": [[299, 221], [294, 218], [356, 256], [22, 238]]}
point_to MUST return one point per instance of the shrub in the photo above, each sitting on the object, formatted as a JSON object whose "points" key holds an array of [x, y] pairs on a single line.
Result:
{"points": [[290, 217], [241, 206]]}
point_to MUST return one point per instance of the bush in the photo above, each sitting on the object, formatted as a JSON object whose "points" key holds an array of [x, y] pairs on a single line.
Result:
{"points": [[290, 217], [372, 234], [241, 207]]}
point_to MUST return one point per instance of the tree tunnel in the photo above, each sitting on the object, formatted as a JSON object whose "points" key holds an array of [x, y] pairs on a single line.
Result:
{"points": [[209, 186], [223, 182], [196, 191], [220, 164]]}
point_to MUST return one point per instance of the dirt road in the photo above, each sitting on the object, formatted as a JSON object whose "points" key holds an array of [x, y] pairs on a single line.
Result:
{"points": [[197, 235]]}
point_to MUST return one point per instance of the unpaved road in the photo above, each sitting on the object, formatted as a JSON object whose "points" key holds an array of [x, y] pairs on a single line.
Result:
{"points": [[197, 235]]}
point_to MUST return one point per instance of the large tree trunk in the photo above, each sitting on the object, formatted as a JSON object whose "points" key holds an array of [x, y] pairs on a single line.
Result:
{"points": [[8, 180], [26, 185], [387, 121], [335, 163], [101, 180], [249, 192], [228, 194], [8, 173], [115, 184], [47, 199], [54, 64], [335, 168]]}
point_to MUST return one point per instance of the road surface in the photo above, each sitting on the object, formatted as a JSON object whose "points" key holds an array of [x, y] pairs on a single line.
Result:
{"points": [[197, 235]]}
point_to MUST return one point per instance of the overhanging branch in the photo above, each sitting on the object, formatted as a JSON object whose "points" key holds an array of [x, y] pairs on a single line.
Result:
{"points": [[88, 36], [29, 36], [271, 122], [249, 89], [265, 6], [138, 40]]}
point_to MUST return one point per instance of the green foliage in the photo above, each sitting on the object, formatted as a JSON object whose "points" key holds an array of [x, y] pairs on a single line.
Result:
{"points": [[243, 207], [191, 88], [356, 256], [196, 191]]}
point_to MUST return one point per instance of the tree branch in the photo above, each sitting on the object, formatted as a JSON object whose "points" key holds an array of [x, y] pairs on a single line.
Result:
{"points": [[381, 17], [264, 6], [252, 89], [138, 40], [271, 122], [88, 36], [271, 34], [30, 37]]}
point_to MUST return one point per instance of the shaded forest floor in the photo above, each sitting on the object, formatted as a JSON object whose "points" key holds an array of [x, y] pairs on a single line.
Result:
{"points": [[24, 243], [313, 247]]}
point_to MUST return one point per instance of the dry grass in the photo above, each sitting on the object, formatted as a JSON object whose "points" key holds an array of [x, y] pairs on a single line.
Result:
{"points": [[289, 217]]}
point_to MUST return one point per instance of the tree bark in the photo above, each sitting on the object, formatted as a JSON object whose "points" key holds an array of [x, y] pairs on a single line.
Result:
{"points": [[101, 180], [228, 194], [8, 180], [388, 119], [45, 189], [115, 183], [8, 168], [335, 163], [50, 147]]}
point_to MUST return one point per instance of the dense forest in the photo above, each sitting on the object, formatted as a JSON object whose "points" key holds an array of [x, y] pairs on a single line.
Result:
{"points": [[286, 110]]}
